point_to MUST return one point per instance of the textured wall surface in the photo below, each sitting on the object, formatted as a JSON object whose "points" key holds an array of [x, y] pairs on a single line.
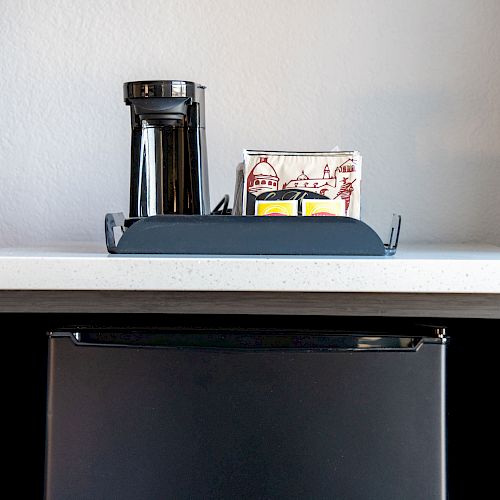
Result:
{"points": [[414, 86]]}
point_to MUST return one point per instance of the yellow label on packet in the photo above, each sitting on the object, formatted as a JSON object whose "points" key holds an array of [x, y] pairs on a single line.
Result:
{"points": [[319, 208], [276, 208]]}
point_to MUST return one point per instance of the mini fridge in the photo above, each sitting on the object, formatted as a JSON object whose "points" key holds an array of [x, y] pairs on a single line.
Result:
{"points": [[200, 414]]}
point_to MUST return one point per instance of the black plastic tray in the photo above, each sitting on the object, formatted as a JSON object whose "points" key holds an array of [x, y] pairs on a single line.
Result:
{"points": [[247, 235]]}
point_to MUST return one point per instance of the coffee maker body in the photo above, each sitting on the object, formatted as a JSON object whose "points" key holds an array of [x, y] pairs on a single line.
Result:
{"points": [[168, 173]]}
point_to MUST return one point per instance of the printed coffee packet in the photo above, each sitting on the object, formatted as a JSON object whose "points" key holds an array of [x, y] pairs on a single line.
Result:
{"points": [[267, 176]]}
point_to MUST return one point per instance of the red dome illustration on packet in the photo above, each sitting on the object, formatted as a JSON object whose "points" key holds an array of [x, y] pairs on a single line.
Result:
{"points": [[332, 175], [262, 178]]}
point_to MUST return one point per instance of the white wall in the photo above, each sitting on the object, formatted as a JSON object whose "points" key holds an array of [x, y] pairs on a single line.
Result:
{"points": [[414, 85]]}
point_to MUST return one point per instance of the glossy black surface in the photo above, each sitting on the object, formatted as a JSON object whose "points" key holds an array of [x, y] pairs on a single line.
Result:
{"points": [[161, 88], [168, 173]]}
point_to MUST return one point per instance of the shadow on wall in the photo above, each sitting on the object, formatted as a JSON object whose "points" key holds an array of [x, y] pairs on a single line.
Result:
{"points": [[428, 157]]}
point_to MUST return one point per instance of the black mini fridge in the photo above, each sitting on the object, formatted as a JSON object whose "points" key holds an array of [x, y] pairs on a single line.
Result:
{"points": [[194, 414]]}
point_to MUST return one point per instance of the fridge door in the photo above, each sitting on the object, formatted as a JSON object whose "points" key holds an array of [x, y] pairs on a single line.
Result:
{"points": [[190, 415]]}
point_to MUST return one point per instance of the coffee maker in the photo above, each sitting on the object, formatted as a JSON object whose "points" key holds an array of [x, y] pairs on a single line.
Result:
{"points": [[168, 169]]}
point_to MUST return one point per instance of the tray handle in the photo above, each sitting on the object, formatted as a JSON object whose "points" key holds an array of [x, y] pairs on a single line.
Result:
{"points": [[111, 221], [392, 245]]}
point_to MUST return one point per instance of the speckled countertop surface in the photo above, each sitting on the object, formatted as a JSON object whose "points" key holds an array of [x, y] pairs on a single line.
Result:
{"points": [[415, 269]]}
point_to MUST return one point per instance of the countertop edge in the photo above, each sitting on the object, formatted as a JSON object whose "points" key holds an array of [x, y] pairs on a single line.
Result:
{"points": [[422, 305]]}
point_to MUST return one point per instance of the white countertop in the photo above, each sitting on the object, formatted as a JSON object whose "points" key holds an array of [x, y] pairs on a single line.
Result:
{"points": [[415, 269]]}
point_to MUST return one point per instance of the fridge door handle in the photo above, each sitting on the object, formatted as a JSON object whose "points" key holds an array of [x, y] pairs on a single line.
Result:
{"points": [[255, 341]]}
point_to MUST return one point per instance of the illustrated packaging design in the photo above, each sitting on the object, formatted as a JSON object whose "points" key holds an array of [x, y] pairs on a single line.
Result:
{"points": [[321, 183]]}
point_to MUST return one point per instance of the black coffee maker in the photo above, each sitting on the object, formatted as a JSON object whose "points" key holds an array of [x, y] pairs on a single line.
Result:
{"points": [[168, 171]]}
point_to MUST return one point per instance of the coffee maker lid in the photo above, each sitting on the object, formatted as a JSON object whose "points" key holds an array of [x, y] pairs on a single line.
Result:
{"points": [[162, 88]]}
